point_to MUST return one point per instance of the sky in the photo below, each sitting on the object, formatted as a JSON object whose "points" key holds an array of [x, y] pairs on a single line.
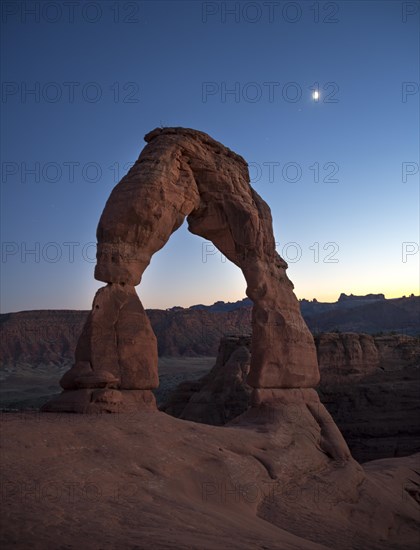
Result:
{"points": [[83, 82]]}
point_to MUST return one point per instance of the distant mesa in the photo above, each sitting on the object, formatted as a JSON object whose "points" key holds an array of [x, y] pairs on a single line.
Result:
{"points": [[223, 306], [366, 298], [49, 337]]}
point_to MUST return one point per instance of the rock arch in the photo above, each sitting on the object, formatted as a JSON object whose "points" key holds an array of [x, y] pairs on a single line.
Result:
{"points": [[182, 174]]}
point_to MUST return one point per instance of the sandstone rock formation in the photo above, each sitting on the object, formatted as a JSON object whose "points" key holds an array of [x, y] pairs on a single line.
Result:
{"points": [[180, 174], [223, 393], [372, 392], [369, 385], [344, 354]]}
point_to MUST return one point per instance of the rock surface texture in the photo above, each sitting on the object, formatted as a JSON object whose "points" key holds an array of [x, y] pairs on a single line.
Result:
{"points": [[180, 174], [148, 480], [369, 385], [223, 393]]}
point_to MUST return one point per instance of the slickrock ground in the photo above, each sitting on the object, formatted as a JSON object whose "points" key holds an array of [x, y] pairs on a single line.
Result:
{"points": [[149, 480]]}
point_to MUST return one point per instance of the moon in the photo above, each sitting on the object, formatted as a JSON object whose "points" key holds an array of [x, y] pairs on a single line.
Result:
{"points": [[315, 94]]}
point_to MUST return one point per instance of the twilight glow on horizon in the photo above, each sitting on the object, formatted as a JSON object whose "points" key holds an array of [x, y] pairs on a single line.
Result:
{"points": [[323, 103]]}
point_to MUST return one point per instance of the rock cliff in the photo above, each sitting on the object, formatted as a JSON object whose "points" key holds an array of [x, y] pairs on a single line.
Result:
{"points": [[369, 385]]}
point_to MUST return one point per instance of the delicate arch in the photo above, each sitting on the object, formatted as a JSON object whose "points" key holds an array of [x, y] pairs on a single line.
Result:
{"points": [[183, 173]]}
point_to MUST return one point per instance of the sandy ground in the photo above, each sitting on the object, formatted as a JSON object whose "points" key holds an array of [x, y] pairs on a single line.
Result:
{"points": [[24, 387]]}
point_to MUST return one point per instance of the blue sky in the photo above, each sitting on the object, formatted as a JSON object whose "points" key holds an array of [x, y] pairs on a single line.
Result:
{"points": [[103, 79]]}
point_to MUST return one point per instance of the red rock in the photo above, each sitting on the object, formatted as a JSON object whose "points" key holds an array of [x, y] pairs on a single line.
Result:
{"points": [[372, 394], [117, 349], [184, 173], [81, 368], [180, 174], [102, 379], [154, 481], [347, 354], [96, 401], [220, 395]]}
